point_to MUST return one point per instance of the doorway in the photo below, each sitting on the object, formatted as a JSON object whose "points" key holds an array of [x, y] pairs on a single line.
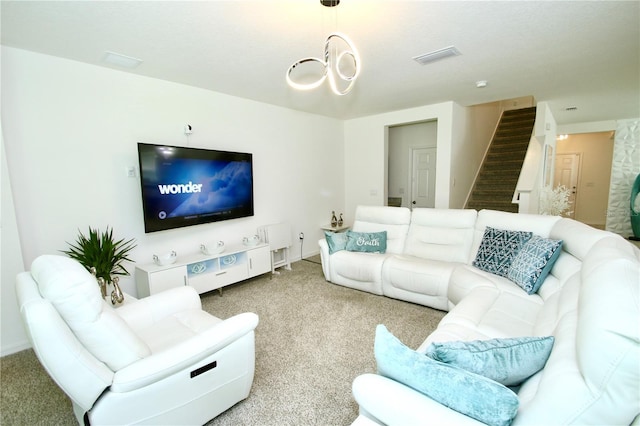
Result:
{"points": [[411, 164], [584, 160], [567, 170], [423, 177]]}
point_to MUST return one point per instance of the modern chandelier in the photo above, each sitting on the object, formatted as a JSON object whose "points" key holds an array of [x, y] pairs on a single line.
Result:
{"points": [[339, 53]]}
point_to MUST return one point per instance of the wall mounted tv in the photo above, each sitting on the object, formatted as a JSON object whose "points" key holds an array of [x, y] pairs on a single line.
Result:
{"points": [[191, 186]]}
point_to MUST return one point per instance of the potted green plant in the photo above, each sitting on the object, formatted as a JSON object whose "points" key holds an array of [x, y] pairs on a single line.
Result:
{"points": [[103, 256]]}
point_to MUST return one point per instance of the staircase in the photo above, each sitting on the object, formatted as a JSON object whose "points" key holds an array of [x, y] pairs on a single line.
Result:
{"points": [[498, 177]]}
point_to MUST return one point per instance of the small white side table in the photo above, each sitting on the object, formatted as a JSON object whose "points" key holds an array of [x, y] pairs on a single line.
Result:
{"points": [[342, 228]]}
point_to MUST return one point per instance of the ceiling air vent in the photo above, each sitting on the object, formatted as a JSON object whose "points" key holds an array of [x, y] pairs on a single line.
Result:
{"points": [[120, 60], [436, 55]]}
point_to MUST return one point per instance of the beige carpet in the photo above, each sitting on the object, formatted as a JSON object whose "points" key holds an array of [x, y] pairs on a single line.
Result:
{"points": [[313, 339]]}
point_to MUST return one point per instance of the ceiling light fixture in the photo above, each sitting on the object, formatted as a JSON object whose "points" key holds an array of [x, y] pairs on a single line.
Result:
{"points": [[340, 63]]}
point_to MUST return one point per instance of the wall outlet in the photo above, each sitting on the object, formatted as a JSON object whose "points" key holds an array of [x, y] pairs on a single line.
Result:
{"points": [[131, 171], [301, 236]]}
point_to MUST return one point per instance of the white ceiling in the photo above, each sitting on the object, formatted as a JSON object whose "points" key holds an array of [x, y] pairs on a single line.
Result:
{"points": [[582, 54]]}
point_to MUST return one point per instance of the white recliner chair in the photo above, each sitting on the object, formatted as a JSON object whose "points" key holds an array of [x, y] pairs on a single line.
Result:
{"points": [[157, 360]]}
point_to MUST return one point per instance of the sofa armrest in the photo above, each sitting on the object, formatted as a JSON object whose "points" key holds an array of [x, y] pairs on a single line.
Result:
{"points": [[143, 313], [325, 258], [392, 403], [165, 363]]}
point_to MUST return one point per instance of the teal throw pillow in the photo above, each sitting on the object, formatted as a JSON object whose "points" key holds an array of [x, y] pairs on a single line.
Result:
{"points": [[533, 263], [468, 393], [498, 248], [371, 242], [509, 361], [336, 240]]}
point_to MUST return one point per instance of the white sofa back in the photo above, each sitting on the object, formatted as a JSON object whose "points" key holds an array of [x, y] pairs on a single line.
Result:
{"points": [[394, 220], [594, 319], [441, 234], [538, 224]]}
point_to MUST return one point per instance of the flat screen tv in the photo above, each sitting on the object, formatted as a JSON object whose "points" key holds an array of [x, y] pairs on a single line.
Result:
{"points": [[191, 186]]}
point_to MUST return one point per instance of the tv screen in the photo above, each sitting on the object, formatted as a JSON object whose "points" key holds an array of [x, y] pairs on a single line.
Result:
{"points": [[190, 186]]}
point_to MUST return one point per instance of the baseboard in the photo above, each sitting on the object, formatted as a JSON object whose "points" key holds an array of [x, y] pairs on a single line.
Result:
{"points": [[14, 348]]}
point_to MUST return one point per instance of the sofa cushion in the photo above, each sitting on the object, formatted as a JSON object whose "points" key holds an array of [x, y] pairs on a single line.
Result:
{"points": [[441, 234], [362, 271], [336, 241], [417, 280], [509, 361], [369, 242], [498, 248], [75, 294], [533, 263], [489, 313], [476, 396]]}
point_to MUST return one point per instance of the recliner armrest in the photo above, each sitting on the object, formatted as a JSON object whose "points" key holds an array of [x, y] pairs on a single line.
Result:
{"points": [[143, 313], [165, 363], [393, 403], [325, 258]]}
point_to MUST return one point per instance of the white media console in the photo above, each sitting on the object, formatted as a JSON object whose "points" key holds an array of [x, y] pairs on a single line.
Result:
{"points": [[205, 272]]}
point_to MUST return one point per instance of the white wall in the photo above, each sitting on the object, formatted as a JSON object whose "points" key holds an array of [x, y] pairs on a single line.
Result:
{"points": [[70, 132], [624, 169], [12, 333], [479, 125], [366, 141]]}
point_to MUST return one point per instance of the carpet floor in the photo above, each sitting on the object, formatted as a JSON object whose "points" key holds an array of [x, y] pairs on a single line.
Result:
{"points": [[313, 339]]}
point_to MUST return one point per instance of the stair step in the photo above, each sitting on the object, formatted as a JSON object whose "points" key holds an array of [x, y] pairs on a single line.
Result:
{"points": [[514, 132], [496, 205], [510, 156], [506, 169], [522, 112], [498, 185], [511, 140], [508, 151], [491, 192]]}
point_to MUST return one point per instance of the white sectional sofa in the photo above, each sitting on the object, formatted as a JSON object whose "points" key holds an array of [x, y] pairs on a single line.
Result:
{"points": [[589, 302]]}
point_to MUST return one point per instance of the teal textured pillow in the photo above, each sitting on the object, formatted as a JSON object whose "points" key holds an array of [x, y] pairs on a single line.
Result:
{"points": [[336, 240], [498, 248], [508, 361], [533, 263], [371, 242], [462, 391]]}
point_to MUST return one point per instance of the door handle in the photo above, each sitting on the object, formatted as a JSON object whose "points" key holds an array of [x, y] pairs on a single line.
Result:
{"points": [[413, 202]]}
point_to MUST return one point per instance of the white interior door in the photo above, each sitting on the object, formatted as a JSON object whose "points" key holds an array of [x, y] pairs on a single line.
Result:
{"points": [[423, 177], [567, 170]]}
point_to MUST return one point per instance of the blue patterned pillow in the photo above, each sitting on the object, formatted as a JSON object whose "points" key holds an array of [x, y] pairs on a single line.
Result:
{"points": [[498, 249], [471, 394], [533, 263], [336, 241], [509, 361], [371, 242]]}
